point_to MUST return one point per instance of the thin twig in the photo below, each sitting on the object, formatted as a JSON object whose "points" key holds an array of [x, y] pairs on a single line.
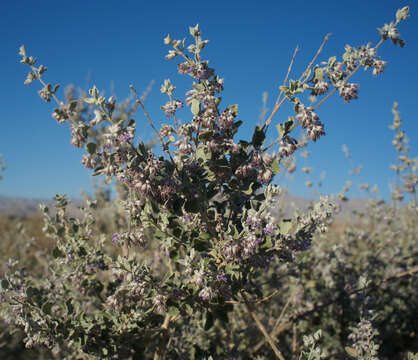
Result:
{"points": [[262, 328], [279, 320], [259, 301], [315, 57], [160, 351], [268, 297], [164, 146], [278, 104]]}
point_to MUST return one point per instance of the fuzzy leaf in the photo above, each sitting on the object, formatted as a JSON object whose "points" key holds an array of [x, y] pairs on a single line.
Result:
{"points": [[351, 351], [195, 107], [91, 148], [258, 137], [275, 166], [285, 226]]}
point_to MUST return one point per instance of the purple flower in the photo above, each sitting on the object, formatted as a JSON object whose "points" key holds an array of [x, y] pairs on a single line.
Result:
{"points": [[171, 107], [70, 255], [201, 74], [101, 265], [177, 294], [222, 277], [305, 245], [269, 229], [115, 239], [125, 137]]}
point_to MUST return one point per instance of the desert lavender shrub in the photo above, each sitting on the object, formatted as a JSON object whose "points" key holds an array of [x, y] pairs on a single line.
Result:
{"points": [[198, 250]]}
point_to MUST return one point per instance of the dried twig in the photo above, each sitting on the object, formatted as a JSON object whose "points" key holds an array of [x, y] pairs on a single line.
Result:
{"points": [[278, 102], [261, 327], [163, 344]]}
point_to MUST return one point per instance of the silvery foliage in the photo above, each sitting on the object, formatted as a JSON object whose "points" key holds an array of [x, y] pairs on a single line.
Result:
{"points": [[198, 234], [311, 342], [406, 168], [363, 336]]}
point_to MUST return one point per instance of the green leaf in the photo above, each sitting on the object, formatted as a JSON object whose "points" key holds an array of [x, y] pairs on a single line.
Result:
{"points": [[73, 105], [331, 61], [56, 253], [98, 171], [351, 351], [275, 166], [90, 100], [285, 128], [202, 154], [294, 85], [244, 145], [268, 243], [249, 191], [31, 292], [4, 284], [91, 148], [258, 137], [319, 74], [189, 309], [172, 310], [206, 135], [285, 226], [168, 40], [233, 109], [195, 107], [46, 308], [236, 126], [194, 30]]}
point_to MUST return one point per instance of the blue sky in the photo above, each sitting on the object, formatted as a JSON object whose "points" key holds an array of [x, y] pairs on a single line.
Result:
{"points": [[115, 43]]}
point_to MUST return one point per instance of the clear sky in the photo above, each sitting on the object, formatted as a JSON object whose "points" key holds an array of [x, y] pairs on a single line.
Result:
{"points": [[115, 43]]}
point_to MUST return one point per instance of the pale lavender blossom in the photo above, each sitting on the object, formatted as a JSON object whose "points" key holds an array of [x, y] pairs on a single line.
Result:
{"points": [[125, 137], [288, 146], [269, 229], [115, 239], [348, 91]]}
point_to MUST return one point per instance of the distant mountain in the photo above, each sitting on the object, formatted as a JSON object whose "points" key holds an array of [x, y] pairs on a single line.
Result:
{"points": [[292, 202], [23, 207]]}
